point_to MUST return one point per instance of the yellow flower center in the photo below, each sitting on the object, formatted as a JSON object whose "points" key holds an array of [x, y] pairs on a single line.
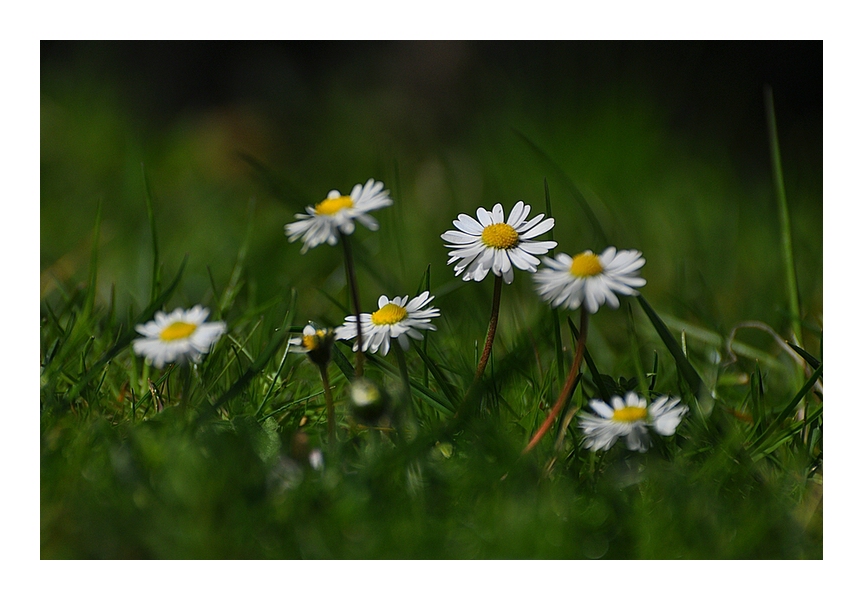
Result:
{"points": [[389, 315], [500, 236], [310, 342], [628, 414], [177, 331], [331, 206], [586, 264]]}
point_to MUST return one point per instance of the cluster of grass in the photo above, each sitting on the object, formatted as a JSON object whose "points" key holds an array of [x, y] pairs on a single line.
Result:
{"points": [[213, 461]]}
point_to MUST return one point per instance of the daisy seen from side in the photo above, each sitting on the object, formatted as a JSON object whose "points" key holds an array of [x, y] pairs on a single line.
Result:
{"points": [[590, 279], [179, 337], [491, 244], [337, 213], [397, 318], [630, 418], [316, 342]]}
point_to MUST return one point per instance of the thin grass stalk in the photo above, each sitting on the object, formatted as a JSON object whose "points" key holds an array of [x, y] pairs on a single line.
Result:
{"points": [[331, 409], [568, 387], [784, 218], [492, 328], [355, 297], [155, 284]]}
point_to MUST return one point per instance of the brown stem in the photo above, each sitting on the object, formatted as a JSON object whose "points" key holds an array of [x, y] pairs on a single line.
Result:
{"points": [[355, 297], [331, 409], [492, 328], [566, 392]]}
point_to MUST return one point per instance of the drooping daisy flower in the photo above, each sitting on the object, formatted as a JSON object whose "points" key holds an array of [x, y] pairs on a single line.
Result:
{"points": [[316, 342], [590, 279], [337, 213], [178, 337], [630, 420], [490, 244], [396, 318]]}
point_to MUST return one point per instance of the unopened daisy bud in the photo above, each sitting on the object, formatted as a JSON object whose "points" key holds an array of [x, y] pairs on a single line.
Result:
{"points": [[316, 343], [368, 401]]}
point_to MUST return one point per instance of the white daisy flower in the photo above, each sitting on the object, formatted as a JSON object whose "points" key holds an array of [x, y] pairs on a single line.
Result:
{"points": [[337, 213], [396, 318], [178, 337], [590, 279], [630, 420], [316, 342], [490, 244]]}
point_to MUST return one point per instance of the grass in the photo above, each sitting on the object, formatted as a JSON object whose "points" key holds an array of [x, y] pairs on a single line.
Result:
{"points": [[212, 461]]}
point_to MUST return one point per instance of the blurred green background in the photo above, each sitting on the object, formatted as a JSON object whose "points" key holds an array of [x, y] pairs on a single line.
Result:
{"points": [[667, 142]]}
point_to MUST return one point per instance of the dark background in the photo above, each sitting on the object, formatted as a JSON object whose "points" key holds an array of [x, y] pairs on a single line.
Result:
{"points": [[668, 141]]}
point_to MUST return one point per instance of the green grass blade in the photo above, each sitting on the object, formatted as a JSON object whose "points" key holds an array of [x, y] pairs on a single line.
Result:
{"points": [[784, 218], [591, 366], [813, 362], [636, 353], [425, 285], [129, 335], [151, 219], [760, 443], [90, 300], [337, 303], [690, 375], [343, 363], [445, 386], [571, 187], [279, 188], [756, 383], [436, 401], [286, 326], [256, 367]]}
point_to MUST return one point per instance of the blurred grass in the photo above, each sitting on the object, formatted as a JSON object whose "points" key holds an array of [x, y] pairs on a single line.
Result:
{"points": [[438, 124]]}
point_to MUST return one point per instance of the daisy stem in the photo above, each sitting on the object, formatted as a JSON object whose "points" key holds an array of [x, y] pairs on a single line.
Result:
{"points": [[492, 328], [331, 409], [566, 392], [355, 297]]}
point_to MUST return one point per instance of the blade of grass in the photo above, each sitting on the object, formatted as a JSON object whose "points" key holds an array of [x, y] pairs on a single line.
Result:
{"points": [[784, 218], [813, 362], [90, 299], [635, 352], [151, 219], [439, 403], [256, 367], [760, 442], [343, 363], [757, 391], [446, 387], [425, 285], [286, 325], [687, 371], [573, 189], [127, 338]]}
